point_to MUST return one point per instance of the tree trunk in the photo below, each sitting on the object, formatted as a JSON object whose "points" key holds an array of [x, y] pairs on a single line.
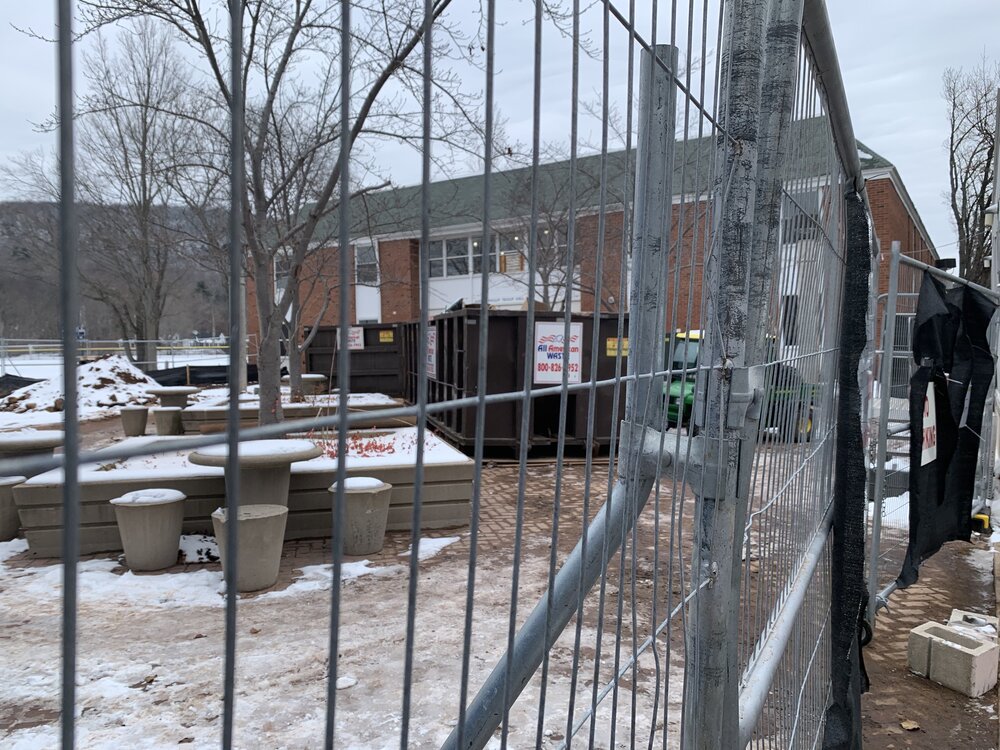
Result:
{"points": [[269, 349], [294, 357], [146, 348]]}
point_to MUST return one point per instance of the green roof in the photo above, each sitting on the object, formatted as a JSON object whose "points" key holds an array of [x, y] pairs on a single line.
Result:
{"points": [[459, 201]]}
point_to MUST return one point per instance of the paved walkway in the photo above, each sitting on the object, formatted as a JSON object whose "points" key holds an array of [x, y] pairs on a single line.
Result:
{"points": [[959, 576]]}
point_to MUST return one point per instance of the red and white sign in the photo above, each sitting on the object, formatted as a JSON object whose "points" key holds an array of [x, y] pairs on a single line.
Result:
{"points": [[928, 452], [355, 338], [432, 353], [551, 352]]}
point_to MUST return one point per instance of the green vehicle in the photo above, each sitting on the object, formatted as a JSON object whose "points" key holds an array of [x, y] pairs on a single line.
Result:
{"points": [[679, 391], [788, 402]]}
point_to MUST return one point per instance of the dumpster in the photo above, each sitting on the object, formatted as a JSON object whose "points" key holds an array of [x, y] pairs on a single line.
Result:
{"points": [[452, 355], [376, 366]]}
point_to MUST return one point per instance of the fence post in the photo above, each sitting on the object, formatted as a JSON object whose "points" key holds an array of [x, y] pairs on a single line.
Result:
{"points": [[882, 434], [711, 699]]}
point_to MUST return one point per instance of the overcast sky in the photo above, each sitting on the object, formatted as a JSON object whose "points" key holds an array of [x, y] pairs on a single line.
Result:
{"points": [[892, 54]]}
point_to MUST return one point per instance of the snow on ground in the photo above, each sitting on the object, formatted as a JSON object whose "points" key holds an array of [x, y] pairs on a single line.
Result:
{"points": [[430, 547], [150, 659], [42, 367], [895, 511], [103, 387]]}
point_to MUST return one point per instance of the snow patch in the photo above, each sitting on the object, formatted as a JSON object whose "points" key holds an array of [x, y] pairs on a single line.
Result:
{"points": [[198, 548], [320, 578], [12, 548], [430, 547]]}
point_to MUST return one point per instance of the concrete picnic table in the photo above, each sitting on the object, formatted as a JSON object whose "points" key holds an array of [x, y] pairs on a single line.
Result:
{"points": [[174, 395], [265, 466], [23, 443]]}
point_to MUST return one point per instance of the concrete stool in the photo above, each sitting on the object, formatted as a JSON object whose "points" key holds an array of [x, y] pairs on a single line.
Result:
{"points": [[150, 522], [260, 533], [366, 509], [168, 420], [134, 420], [9, 523]]}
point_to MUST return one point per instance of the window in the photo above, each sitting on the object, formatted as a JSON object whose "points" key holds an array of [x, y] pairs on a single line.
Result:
{"points": [[477, 256], [789, 319], [512, 249], [282, 272], [457, 256], [799, 216], [365, 264], [436, 260]]}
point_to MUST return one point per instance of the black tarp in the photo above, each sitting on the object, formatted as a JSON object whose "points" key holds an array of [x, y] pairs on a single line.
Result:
{"points": [[10, 383], [955, 364], [198, 375]]}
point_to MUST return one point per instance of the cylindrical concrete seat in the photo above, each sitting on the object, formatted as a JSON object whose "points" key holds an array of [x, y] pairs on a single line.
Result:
{"points": [[9, 523], [260, 534], [174, 395], [150, 522], [366, 510], [134, 420], [168, 420]]}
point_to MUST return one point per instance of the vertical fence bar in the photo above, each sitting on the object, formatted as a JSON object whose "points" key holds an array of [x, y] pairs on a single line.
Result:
{"points": [[711, 697], [343, 373], [484, 325], [69, 319], [885, 396], [235, 335], [418, 474]]}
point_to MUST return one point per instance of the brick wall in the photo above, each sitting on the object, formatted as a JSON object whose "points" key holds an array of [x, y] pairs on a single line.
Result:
{"points": [[892, 222]]}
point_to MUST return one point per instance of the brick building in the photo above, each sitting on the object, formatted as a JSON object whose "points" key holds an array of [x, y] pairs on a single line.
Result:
{"points": [[386, 226]]}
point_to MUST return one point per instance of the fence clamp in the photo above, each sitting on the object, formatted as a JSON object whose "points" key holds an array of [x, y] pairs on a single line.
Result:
{"points": [[745, 397]]}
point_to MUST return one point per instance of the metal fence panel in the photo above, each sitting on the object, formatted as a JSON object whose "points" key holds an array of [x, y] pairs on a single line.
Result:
{"points": [[678, 594]]}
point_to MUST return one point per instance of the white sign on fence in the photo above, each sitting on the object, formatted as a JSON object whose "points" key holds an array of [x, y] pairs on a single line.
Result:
{"points": [[432, 353], [550, 352], [928, 451], [355, 338]]}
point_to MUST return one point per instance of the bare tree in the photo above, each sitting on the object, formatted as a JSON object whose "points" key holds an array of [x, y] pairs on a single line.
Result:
{"points": [[291, 61], [971, 97], [128, 147]]}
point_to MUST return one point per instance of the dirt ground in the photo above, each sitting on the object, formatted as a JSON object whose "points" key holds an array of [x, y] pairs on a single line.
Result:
{"points": [[959, 576]]}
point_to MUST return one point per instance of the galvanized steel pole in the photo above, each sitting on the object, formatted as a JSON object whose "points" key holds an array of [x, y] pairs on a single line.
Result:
{"points": [[711, 701]]}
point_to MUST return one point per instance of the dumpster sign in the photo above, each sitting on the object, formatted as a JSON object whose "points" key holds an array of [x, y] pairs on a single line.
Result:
{"points": [[551, 352], [355, 338], [431, 353]]}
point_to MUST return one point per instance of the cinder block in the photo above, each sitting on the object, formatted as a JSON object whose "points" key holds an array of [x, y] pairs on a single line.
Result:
{"points": [[975, 624], [958, 661], [918, 650]]}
